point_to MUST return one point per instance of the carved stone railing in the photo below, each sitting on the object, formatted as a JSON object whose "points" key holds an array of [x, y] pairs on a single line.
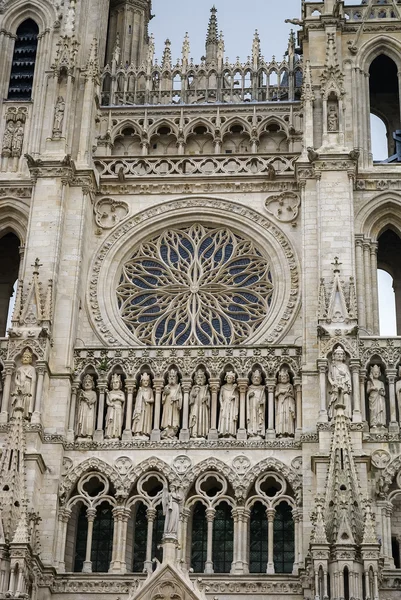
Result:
{"points": [[377, 12], [196, 166]]}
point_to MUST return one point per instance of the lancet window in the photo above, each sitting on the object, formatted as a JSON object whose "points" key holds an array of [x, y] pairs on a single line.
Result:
{"points": [[23, 63]]}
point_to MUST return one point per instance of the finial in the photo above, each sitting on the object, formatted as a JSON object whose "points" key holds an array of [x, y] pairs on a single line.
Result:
{"points": [[166, 62], [336, 264], [36, 266]]}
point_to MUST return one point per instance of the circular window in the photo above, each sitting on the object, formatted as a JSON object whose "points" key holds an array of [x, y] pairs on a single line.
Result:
{"points": [[195, 286]]}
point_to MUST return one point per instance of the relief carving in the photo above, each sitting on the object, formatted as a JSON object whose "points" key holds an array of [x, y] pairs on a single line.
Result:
{"points": [[284, 207], [109, 212]]}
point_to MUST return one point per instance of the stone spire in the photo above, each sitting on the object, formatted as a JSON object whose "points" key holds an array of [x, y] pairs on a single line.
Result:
{"points": [[185, 50], [212, 39], [256, 50], [166, 61]]}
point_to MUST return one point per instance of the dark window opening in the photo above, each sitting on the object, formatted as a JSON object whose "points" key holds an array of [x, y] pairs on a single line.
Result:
{"points": [[199, 539], [9, 266], [284, 539], [158, 530], [23, 64], [389, 300], [395, 547], [258, 547], [385, 100], [140, 539], [223, 539]]}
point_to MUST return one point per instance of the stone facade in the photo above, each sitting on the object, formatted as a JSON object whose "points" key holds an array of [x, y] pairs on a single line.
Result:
{"points": [[196, 402]]}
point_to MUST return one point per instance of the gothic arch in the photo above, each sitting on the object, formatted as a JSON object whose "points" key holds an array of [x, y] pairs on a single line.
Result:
{"points": [[162, 123], [198, 122], [391, 470], [271, 464], [210, 464], [382, 44], [40, 11], [381, 211], [118, 129], [14, 215], [152, 464], [225, 129], [90, 464], [272, 119]]}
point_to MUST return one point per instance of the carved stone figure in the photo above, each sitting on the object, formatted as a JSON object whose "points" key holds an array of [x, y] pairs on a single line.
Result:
{"points": [[256, 406], [8, 136], [25, 386], [18, 139], [143, 411], [115, 399], [87, 408], [172, 405], [285, 405], [199, 402], [377, 398], [58, 116], [229, 406], [341, 383], [332, 119], [171, 509], [398, 391]]}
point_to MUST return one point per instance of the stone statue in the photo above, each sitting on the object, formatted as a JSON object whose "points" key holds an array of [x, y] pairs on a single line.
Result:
{"points": [[229, 406], [58, 116], [171, 509], [117, 50], [377, 398], [115, 399], [285, 405], [8, 136], [199, 402], [25, 386], [256, 405], [172, 405], [143, 411], [398, 391], [341, 383], [87, 408], [332, 119], [18, 139]]}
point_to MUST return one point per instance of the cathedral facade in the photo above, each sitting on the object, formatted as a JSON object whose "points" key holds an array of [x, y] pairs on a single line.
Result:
{"points": [[196, 402]]}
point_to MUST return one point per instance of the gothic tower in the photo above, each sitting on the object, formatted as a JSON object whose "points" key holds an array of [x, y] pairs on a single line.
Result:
{"points": [[128, 31]]}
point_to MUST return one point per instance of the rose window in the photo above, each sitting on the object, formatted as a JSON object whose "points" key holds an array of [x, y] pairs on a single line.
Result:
{"points": [[195, 285]]}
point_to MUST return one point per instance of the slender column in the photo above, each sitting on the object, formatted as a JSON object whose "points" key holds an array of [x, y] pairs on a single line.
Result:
{"points": [[184, 536], [367, 585], [186, 388], [355, 366], [270, 541], [362, 379], [63, 518], [375, 586], [325, 585], [298, 395], [87, 566], [99, 433], [130, 386], [11, 582], [341, 584], [41, 370], [210, 514], [387, 512], [391, 376], [151, 516], [368, 285], [322, 366], [297, 517], [243, 386], [375, 289], [73, 404], [214, 388], [9, 370], [317, 593], [270, 386], [158, 387]]}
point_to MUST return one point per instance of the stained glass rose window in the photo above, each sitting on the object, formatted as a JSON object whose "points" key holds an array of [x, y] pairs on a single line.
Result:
{"points": [[195, 286]]}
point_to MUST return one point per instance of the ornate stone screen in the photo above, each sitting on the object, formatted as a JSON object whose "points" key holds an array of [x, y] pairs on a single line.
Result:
{"points": [[195, 286]]}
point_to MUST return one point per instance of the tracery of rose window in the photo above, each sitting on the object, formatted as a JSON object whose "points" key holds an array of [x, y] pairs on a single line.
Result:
{"points": [[195, 285]]}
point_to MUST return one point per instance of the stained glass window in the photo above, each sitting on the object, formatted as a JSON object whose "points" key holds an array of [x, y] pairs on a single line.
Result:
{"points": [[158, 530], [195, 286], [258, 552], [284, 539], [81, 537], [223, 539], [140, 538], [199, 538], [102, 540], [23, 65]]}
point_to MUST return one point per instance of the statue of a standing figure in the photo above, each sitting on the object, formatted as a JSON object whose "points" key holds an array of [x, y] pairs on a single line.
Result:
{"points": [[229, 406], [87, 398], [172, 405], [256, 405], [25, 386], [8, 137], [171, 509], [285, 405], [377, 398], [332, 119], [115, 399], [199, 402], [143, 411], [341, 383], [58, 116], [18, 139]]}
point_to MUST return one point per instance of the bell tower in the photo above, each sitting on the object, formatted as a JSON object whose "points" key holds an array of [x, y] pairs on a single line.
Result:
{"points": [[128, 30]]}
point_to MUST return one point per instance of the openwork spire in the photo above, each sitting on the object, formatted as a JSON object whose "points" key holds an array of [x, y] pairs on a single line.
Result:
{"points": [[212, 39], [167, 61]]}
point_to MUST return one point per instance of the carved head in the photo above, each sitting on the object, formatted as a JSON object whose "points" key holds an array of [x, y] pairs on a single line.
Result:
{"points": [[283, 376], [230, 377], [339, 354], [145, 380], [256, 377], [26, 357], [200, 377], [116, 382], [375, 371], [88, 383], [173, 377]]}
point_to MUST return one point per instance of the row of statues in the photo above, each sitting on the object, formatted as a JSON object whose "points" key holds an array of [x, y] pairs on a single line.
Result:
{"points": [[200, 399]]}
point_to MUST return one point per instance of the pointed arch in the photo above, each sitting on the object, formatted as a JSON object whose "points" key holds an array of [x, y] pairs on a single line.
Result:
{"points": [[41, 11], [381, 211], [271, 464], [209, 464], [91, 464], [14, 215], [152, 464]]}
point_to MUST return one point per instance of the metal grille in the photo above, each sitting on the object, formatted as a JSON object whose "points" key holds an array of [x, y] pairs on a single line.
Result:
{"points": [[23, 65]]}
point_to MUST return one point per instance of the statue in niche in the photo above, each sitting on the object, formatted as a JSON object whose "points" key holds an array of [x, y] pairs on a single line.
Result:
{"points": [[18, 139], [87, 406], [377, 398], [332, 119], [143, 411], [199, 403], [229, 406], [341, 383], [58, 116], [171, 502], [25, 386], [8, 136], [285, 405], [115, 399], [256, 405], [172, 405]]}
